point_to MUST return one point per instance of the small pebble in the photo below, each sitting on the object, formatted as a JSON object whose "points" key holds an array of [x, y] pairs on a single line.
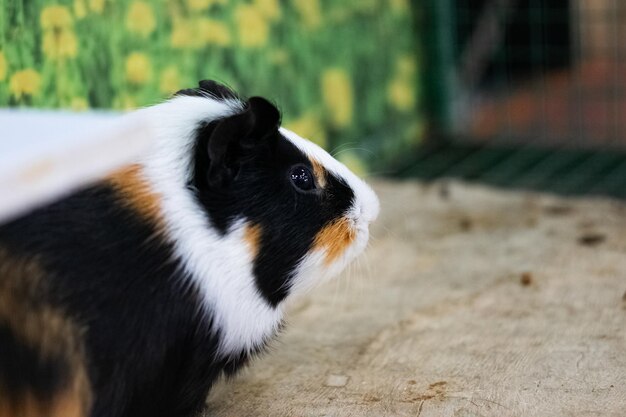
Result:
{"points": [[558, 210], [591, 239], [336, 381], [466, 224], [444, 191], [526, 279], [371, 398], [438, 385]]}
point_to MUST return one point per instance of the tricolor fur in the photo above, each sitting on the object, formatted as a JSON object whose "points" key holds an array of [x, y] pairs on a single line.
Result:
{"points": [[176, 269]]}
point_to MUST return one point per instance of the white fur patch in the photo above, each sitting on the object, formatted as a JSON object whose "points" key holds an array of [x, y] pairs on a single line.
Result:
{"points": [[222, 266]]}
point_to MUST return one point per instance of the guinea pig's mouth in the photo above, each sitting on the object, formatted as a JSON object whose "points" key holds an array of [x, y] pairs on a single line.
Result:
{"points": [[362, 233], [333, 250], [350, 243], [337, 244], [361, 218]]}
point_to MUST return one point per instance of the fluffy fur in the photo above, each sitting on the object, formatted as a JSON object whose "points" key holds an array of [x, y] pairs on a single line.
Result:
{"points": [[177, 269]]}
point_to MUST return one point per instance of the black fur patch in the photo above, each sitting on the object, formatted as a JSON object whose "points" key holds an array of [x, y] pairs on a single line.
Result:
{"points": [[24, 371], [150, 353], [260, 191]]}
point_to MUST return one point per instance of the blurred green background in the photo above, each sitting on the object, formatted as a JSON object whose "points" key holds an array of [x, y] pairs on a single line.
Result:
{"points": [[344, 73]]}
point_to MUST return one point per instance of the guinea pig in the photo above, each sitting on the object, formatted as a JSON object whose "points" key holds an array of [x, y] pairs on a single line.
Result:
{"points": [[131, 296]]}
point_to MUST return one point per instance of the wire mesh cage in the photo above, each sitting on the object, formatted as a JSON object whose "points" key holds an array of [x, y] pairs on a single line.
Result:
{"points": [[527, 92]]}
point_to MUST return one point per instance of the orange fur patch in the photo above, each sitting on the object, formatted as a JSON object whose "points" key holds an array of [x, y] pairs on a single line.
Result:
{"points": [[69, 404], [335, 239], [130, 183], [49, 331], [319, 172], [64, 404], [252, 236]]}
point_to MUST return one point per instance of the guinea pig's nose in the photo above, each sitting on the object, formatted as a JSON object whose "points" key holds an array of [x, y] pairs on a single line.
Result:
{"points": [[370, 215], [370, 206]]}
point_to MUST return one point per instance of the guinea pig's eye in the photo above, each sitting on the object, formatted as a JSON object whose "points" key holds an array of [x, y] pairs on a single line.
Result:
{"points": [[302, 178]]}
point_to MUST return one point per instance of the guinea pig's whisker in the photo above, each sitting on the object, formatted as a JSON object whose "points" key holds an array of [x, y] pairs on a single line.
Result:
{"points": [[345, 286], [336, 290], [372, 239], [392, 234], [341, 146], [365, 270], [369, 151], [352, 273], [378, 173]]}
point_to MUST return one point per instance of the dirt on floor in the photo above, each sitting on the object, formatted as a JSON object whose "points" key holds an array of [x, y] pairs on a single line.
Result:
{"points": [[470, 301]]}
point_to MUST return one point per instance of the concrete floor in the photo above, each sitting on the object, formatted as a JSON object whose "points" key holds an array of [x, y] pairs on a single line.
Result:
{"points": [[469, 302]]}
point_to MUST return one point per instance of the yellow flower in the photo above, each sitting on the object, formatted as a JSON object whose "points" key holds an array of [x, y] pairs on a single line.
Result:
{"points": [[57, 45], [338, 97], [140, 18], [309, 11], [405, 66], [125, 102], [278, 56], [414, 132], [270, 9], [399, 6], [309, 126], [170, 81], [212, 32], [55, 17], [401, 89], [3, 66], [25, 82], [340, 15], [79, 104], [201, 5], [97, 6], [80, 8], [138, 68], [183, 35], [401, 94], [252, 26], [366, 6]]}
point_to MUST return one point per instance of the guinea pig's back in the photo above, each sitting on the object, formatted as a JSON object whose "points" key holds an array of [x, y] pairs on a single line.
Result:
{"points": [[90, 293], [42, 362]]}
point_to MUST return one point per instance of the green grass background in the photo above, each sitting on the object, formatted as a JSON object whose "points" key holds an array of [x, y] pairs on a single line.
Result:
{"points": [[371, 44]]}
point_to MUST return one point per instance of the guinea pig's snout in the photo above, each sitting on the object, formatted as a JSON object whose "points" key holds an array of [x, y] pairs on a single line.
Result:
{"points": [[366, 207], [370, 206], [370, 214]]}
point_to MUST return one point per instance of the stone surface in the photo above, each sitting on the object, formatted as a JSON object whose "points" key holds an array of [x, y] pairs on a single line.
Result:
{"points": [[469, 302]]}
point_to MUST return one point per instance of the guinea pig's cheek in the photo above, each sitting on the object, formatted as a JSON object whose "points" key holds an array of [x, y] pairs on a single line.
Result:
{"points": [[252, 237], [334, 239]]}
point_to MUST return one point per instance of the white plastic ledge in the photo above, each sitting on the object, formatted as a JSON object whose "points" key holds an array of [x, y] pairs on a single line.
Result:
{"points": [[47, 154]]}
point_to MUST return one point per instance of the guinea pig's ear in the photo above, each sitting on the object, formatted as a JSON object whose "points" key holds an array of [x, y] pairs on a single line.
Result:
{"points": [[266, 117], [237, 135]]}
